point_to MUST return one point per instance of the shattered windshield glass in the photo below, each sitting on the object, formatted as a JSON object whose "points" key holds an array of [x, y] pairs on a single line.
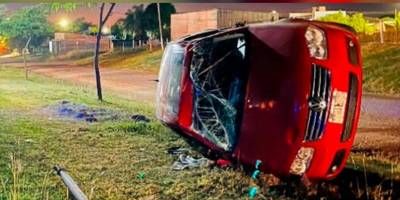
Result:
{"points": [[218, 75]]}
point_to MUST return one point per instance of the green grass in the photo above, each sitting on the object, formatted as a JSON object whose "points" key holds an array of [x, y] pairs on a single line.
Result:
{"points": [[104, 158], [381, 68], [140, 59], [389, 169]]}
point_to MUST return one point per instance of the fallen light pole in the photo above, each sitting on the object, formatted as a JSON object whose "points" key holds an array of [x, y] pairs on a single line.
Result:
{"points": [[74, 190]]}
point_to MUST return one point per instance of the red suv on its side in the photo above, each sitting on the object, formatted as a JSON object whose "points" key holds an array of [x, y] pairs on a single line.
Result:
{"points": [[286, 93]]}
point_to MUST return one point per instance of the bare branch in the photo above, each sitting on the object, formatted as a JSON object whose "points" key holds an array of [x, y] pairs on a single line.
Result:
{"points": [[108, 13], [101, 14]]}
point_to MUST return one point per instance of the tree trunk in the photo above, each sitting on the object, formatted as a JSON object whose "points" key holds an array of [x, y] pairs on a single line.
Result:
{"points": [[97, 48], [96, 55]]}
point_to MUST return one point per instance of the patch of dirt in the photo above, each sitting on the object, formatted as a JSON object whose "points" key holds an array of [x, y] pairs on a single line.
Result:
{"points": [[378, 136], [128, 83]]}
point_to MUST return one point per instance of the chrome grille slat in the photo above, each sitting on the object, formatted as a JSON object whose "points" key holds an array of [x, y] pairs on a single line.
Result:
{"points": [[320, 90]]}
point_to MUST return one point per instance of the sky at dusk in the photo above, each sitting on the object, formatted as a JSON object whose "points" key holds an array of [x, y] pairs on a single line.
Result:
{"points": [[91, 14]]}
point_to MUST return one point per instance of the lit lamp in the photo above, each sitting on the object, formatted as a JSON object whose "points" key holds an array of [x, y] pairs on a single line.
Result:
{"points": [[105, 30], [64, 23]]}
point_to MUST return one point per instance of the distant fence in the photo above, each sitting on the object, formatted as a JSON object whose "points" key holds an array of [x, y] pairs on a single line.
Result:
{"points": [[57, 47], [125, 45], [385, 37]]}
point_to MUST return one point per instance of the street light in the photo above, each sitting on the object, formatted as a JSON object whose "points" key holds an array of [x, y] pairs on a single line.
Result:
{"points": [[105, 30], [63, 23]]}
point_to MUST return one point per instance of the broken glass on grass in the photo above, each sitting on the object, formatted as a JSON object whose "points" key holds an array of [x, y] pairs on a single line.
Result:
{"points": [[218, 75]]}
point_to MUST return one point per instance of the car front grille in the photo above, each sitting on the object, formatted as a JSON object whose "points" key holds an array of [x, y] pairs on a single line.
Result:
{"points": [[318, 102], [351, 107]]}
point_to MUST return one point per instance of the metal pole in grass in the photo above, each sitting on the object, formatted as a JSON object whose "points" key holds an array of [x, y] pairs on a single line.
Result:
{"points": [[381, 31], [24, 51], [160, 26], [396, 24], [73, 188]]}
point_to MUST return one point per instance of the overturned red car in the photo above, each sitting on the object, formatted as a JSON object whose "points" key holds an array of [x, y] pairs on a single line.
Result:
{"points": [[286, 93]]}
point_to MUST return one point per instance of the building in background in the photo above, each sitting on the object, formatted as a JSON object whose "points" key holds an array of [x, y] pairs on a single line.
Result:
{"points": [[183, 24], [316, 13]]}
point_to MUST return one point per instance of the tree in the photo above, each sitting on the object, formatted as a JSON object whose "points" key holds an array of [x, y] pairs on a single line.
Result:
{"points": [[339, 17], [93, 30], [135, 22], [80, 25], [119, 32], [104, 14], [30, 22], [27, 27], [102, 20], [3, 39], [357, 21], [166, 9]]}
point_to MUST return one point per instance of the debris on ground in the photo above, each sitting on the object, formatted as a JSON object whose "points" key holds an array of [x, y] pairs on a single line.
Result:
{"points": [[81, 112], [177, 150], [141, 175], [186, 161], [223, 163], [73, 188], [140, 118]]}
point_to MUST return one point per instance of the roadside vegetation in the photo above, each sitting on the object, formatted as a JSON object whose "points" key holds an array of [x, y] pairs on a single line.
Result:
{"points": [[381, 68]]}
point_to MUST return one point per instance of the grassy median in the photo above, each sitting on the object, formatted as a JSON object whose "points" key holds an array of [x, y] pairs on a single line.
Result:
{"points": [[381, 68]]}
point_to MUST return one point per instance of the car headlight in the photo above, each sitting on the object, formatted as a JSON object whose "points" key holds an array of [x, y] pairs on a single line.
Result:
{"points": [[316, 42], [302, 161]]}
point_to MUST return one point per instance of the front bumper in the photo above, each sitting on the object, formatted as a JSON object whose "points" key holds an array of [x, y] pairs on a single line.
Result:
{"points": [[332, 147]]}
